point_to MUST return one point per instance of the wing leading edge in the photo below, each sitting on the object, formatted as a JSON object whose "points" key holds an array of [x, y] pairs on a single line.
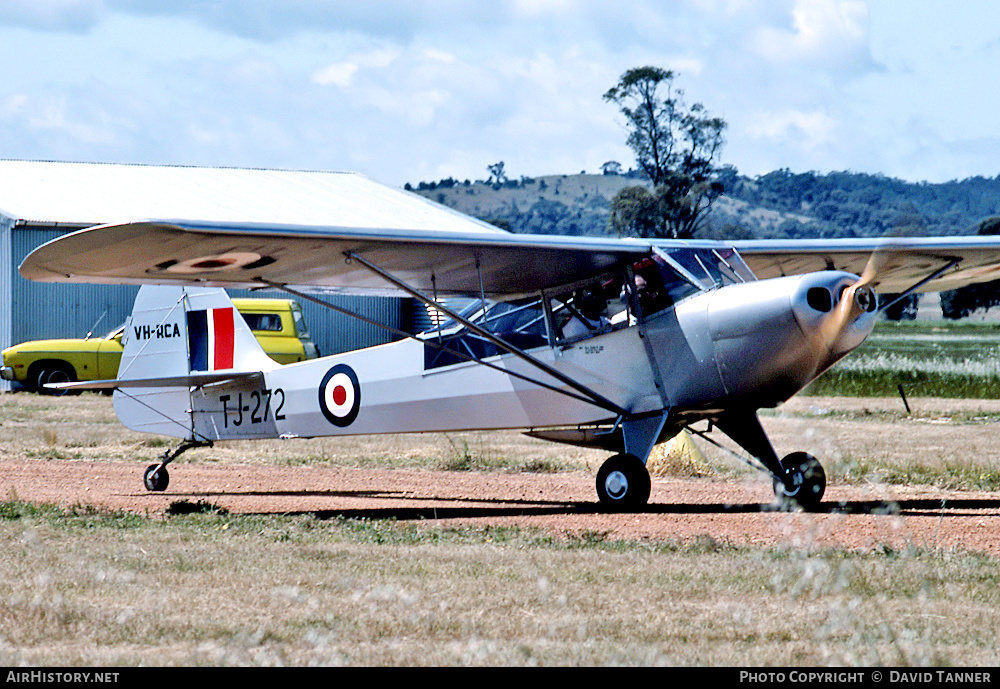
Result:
{"points": [[454, 262], [902, 262], [225, 255]]}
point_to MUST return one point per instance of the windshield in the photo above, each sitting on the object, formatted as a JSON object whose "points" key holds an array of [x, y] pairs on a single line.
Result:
{"points": [[709, 268], [660, 285], [300, 321]]}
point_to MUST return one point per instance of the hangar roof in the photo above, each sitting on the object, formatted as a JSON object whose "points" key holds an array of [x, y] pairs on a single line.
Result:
{"points": [[85, 194]]}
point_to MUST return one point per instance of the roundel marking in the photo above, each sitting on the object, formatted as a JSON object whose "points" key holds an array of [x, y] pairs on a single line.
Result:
{"points": [[340, 395], [215, 262]]}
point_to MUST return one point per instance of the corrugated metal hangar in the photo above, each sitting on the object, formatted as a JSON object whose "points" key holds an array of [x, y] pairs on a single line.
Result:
{"points": [[40, 201]]}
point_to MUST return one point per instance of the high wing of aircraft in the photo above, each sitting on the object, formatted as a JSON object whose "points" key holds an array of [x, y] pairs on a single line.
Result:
{"points": [[613, 343]]}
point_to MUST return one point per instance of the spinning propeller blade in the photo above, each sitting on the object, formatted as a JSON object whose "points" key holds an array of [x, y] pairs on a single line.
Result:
{"points": [[854, 300]]}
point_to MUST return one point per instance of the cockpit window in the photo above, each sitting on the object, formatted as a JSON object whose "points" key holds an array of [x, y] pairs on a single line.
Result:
{"points": [[709, 268], [519, 323], [660, 285], [583, 309], [588, 308]]}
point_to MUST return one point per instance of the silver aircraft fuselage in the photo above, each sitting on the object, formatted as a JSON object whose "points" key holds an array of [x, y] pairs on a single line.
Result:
{"points": [[749, 345]]}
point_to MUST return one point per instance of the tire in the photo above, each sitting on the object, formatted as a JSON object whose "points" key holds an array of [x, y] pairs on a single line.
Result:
{"points": [[623, 484], [40, 379], [807, 479], [58, 373], [156, 480]]}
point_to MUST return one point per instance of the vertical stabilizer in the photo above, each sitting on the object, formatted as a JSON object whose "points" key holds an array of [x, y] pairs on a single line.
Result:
{"points": [[173, 332]]}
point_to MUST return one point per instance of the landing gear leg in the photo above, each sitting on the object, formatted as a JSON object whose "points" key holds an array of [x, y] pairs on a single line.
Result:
{"points": [[798, 479], [156, 478], [623, 483]]}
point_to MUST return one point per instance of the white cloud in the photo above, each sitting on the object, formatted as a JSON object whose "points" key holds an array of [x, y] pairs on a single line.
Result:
{"points": [[445, 87], [825, 34], [338, 74], [810, 131], [342, 73], [14, 104]]}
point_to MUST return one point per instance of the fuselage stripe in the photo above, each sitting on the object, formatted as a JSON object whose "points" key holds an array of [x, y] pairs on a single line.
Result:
{"points": [[223, 330], [198, 339]]}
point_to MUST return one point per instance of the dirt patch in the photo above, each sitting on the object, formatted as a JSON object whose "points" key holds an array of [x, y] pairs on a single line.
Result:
{"points": [[733, 510], [737, 512]]}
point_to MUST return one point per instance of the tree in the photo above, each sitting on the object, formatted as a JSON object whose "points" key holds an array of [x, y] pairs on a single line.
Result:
{"points": [[961, 302], [903, 310], [634, 212], [497, 173], [612, 167], [674, 145]]}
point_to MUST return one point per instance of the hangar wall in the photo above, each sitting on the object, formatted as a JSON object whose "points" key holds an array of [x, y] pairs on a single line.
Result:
{"points": [[6, 281], [41, 200], [43, 310]]}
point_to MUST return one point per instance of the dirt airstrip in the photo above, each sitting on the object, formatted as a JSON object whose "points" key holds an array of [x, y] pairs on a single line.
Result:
{"points": [[863, 514]]}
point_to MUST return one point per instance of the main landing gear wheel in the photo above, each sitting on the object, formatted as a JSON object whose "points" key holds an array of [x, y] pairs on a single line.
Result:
{"points": [[805, 481], [623, 483], [156, 478]]}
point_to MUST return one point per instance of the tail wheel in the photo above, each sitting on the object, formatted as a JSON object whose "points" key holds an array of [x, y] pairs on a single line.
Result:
{"points": [[156, 478], [805, 481], [623, 483]]}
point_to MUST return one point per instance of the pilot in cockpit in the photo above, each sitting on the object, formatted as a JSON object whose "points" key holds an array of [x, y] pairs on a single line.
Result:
{"points": [[588, 317]]}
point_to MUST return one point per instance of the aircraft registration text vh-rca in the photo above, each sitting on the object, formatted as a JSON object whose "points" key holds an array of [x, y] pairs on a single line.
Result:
{"points": [[160, 331], [617, 344]]}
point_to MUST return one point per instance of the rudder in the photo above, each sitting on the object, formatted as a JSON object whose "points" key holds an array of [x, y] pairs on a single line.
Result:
{"points": [[175, 331]]}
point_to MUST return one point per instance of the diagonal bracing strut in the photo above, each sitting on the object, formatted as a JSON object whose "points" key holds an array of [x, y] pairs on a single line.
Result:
{"points": [[940, 271]]}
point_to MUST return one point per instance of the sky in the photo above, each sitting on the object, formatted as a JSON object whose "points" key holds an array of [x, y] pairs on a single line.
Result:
{"points": [[420, 91]]}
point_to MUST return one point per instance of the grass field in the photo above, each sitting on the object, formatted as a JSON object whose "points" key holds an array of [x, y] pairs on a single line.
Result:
{"points": [[85, 588], [928, 358]]}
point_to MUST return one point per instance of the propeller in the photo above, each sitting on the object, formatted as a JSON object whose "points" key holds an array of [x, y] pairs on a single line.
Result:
{"points": [[855, 299]]}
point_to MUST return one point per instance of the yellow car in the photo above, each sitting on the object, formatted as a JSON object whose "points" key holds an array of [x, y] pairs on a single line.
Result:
{"points": [[277, 323]]}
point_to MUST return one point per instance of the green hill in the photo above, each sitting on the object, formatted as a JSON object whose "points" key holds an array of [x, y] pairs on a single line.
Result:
{"points": [[554, 204], [778, 204]]}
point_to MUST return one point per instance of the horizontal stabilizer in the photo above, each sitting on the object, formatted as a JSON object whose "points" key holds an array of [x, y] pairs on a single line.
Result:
{"points": [[191, 380]]}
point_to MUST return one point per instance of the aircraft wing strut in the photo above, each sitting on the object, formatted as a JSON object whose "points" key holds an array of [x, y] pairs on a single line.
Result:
{"points": [[594, 397]]}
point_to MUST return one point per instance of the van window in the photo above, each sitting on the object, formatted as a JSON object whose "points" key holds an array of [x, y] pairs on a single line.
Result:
{"points": [[300, 321], [270, 322]]}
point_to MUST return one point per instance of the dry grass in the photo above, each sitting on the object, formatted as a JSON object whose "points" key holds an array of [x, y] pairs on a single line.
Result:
{"points": [[836, 430], [85, 428], [211, 589]]}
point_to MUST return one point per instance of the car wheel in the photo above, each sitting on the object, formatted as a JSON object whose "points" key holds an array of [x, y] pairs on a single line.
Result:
{"points": [[57, 374], [40, 380]]}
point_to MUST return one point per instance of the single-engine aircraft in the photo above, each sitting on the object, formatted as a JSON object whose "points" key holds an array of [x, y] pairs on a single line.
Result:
{"points": [[612, 343]]}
